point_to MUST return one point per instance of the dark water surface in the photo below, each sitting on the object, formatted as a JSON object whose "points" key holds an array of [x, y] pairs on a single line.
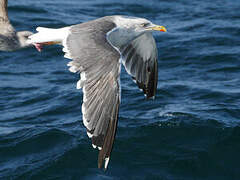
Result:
{"points": [[190, 132]]}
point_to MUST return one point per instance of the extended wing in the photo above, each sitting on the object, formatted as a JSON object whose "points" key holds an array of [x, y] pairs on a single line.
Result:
{"points": [[140, 61], [98, 64]]}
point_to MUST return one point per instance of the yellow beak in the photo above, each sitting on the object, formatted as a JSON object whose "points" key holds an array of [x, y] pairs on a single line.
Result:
{"points": [[159, 28]]}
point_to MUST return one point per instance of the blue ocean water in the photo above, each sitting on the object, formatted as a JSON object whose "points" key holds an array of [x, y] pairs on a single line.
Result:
{"points": [[191, 131]]}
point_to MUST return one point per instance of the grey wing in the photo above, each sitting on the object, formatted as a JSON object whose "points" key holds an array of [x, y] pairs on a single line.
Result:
{"points": [[140, 61], [6, 28], [98, 64], [8, 43], [3, 9]]}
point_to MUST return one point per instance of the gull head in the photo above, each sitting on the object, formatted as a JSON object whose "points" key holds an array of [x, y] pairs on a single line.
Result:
{"points": [[138, 25], [129, 28], [23, 38]]}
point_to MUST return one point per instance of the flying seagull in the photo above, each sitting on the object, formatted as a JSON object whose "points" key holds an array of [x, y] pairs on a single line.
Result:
{"points": [[10, 40], [97, 49]]}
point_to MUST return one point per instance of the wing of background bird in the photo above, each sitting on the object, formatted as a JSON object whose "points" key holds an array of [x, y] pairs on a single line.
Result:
{"points": [[6, 28], [140, 61], [98, 64], [3, 10]]}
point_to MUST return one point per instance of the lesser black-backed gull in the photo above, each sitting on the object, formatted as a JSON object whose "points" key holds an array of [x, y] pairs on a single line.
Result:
{"points": [[10, 40], [97, 49]]}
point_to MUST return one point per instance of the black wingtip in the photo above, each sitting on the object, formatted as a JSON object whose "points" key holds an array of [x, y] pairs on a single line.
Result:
{"points": [[149, 87], [152, 82], [105, 152], [150, 91]]}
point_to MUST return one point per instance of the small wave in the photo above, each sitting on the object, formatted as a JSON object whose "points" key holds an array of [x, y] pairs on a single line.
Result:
{"points": [[34, 152], [27, 9]]}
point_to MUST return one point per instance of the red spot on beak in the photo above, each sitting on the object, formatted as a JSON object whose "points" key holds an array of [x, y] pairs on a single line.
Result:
{"points": [[38, 46]]}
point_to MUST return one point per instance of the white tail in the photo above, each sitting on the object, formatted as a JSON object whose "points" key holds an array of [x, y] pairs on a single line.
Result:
{"points": [[49, 35]]}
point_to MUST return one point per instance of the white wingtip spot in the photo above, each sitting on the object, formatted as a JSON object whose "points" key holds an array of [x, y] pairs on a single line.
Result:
{"points": [[153, 97], [94, 146], [99, 148], [89, 134], [106, 162]]}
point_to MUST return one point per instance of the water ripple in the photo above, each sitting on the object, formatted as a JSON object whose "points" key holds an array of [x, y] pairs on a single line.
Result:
{"points": [[191, 129]]}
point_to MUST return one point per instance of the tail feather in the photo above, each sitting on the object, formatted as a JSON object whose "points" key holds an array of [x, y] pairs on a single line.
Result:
{"points": [[45, 35]]}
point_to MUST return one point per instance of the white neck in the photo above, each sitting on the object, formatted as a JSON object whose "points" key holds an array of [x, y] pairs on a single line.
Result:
{"points": [[123, 33]]}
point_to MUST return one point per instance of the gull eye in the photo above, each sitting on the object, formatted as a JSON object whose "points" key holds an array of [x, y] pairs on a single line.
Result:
{"points": [[145, 24]]}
